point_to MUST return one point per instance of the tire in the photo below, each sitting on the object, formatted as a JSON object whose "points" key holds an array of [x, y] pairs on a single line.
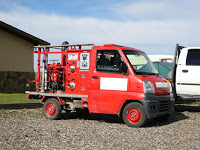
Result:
{"points": [[175, 96], [134, 115], [52, 109]]}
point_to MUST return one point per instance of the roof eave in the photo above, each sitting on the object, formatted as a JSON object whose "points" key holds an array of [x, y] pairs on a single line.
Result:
{"points": [[21, 34]]}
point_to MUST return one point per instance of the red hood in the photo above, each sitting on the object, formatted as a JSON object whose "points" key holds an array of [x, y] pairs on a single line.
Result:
{"points": [[158, 82]]}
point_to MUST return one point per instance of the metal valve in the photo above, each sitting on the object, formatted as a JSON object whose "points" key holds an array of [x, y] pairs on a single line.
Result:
{"points": [[72, 68], [71, 85]]}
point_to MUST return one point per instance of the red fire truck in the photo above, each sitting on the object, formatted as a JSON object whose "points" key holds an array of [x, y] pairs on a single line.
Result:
{"points": [[108, 79]]}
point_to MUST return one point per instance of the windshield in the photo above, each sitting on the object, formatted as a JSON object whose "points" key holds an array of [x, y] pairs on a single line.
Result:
{"points": [[140, 63]]}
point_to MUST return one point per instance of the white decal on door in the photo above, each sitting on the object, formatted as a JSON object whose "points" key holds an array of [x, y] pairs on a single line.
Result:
{"points": [[119, 84]]}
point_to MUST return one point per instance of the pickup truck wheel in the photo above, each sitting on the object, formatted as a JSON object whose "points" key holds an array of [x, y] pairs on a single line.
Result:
{"points": [[52, 109], [134, 115]]}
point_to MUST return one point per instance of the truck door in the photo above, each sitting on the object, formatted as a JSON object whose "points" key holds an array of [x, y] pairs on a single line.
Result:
{"points": [[188, 73], [109, 87]]}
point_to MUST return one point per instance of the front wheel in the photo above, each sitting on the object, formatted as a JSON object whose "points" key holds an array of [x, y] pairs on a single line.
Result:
{"points": [[52, 109], [134, 115]]}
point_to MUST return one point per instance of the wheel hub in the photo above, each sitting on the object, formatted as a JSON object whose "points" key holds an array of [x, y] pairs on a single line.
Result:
{"points": [[134, 115], [50, 109]]}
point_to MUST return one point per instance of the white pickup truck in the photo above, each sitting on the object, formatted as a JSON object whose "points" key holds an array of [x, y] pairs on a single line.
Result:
{"points": [[186, 72]]}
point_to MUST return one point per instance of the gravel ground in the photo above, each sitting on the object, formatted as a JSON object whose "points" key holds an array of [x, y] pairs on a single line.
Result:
{"points": [[28, 129]]}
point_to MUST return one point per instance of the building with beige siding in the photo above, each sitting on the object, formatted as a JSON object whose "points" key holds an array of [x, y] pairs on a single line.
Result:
{"points": [[16, 58]]}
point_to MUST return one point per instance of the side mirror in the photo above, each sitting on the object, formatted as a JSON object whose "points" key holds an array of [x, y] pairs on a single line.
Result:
{"points": [[123, 68]]}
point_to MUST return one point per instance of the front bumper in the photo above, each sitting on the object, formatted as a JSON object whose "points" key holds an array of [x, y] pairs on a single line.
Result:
{"points": [[158, 105]]}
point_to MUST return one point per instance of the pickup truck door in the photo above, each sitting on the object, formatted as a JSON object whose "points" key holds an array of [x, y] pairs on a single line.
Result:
{"points": [[188, 73]]}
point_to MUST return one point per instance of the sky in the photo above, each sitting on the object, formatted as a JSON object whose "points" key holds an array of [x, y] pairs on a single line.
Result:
{"points": [[154, 26]]}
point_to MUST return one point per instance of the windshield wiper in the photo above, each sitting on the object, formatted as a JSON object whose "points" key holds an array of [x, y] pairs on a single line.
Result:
{"points": [[157, 74], [148, 73]]}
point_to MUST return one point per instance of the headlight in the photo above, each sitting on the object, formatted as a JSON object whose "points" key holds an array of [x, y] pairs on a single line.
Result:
{"points": [[148, 87], [166, 85], [169, 86]]}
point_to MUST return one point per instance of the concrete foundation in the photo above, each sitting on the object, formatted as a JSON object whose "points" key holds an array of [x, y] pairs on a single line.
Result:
{"points": [[15, 82]]}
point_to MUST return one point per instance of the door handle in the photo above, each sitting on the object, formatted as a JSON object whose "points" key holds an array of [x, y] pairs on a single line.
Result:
{"points": [[185, 71], [95, 77]]}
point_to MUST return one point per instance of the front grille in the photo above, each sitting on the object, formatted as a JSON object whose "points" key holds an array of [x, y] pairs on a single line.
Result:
{"points": [[163, 106]]}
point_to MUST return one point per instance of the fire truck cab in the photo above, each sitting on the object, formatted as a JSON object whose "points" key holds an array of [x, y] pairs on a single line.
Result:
{"points": [[108, 79]]}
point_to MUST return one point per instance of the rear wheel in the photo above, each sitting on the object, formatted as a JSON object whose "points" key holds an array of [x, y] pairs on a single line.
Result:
{"points": [[134, 115], [52, 109]]}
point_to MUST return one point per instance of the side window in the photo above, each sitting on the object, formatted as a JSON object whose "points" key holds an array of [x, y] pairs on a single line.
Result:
{"points": [[193, 57], [108, 61]]}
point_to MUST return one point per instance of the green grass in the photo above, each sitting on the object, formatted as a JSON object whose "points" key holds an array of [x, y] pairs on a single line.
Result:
{"points": [[15, 98]]}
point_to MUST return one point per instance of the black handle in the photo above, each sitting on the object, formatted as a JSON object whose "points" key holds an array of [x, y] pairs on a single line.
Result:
{"points": [[185, 71], [95, 77]]}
